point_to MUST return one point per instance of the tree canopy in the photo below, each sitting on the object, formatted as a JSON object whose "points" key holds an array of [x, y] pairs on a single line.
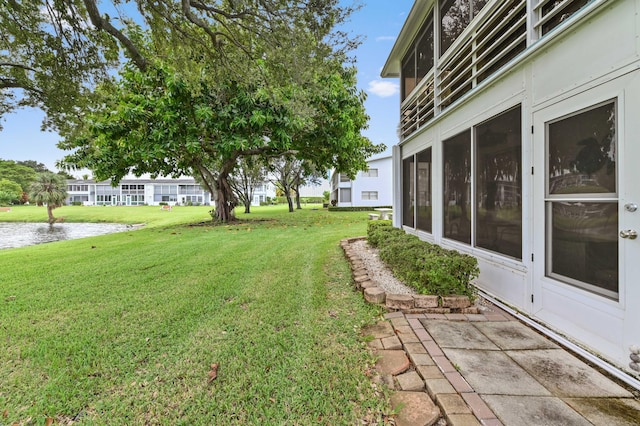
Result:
{"points": [[53, 53]]}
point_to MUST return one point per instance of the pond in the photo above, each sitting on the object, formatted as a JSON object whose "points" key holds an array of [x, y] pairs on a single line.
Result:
{"points": [[18, 234]]}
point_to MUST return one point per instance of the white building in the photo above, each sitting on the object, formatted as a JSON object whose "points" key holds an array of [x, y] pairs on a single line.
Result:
{"points": [[263, 193], [134, 192], [519, 141], [371, 188]]}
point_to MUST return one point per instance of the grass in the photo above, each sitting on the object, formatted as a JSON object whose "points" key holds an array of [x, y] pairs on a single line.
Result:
{"points": [[126, 332]]}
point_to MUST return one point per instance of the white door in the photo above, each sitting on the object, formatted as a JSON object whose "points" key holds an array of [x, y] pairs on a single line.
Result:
{"points": [[586, 185]]}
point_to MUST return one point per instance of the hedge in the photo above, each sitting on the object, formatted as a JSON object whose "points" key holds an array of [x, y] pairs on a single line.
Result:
{"points": [[355, 209], [427, 268]]}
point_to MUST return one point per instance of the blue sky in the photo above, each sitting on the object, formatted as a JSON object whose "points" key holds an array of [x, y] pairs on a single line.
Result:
{"points": [[379, 21]]}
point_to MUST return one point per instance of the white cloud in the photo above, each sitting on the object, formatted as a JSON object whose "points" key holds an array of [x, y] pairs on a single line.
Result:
{"points": [[385, 38], [384, 89]]}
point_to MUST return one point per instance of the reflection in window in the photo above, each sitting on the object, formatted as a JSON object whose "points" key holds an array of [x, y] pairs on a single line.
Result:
{"points": [[457, 187], [584, 247], [418, 60], [424, 50], [558, 11], [408, 200], [408, 74], [582, 208], [455, 16], [582, 151], [499, 184], [424, 190]]}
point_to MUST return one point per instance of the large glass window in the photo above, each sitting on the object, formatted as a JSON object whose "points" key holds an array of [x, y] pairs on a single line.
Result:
{"points": [[457, 187], [424, 50], [455, 16], [418, 60], [498, 184], [582, 200], [423, 184], [408, 74], [408, 194]]}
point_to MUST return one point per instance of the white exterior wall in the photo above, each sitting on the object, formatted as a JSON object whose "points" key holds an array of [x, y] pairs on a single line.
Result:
{"points": [[596, 59], [382, 184]]}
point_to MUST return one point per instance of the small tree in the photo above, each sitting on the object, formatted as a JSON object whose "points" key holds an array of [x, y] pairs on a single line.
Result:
{"points": [[283, 174], [248, 175], [307, 174], [50, 189]]}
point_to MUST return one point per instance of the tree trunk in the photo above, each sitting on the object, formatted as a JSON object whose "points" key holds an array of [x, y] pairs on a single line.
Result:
{"points": [[247, 206], [298, 206], [52, 219], [290, 201], [224, 199]]}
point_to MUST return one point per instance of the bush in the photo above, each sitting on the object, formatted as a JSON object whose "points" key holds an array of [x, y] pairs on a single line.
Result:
{"points": [[428, 268], [353, 209]]}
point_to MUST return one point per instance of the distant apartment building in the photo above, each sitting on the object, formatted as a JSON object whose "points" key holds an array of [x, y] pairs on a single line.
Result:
{"points": [[370, 188], [137, 192]]}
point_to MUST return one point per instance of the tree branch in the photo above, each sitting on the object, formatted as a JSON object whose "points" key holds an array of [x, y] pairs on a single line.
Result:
{"points": [[102, 24], [14, 65]]}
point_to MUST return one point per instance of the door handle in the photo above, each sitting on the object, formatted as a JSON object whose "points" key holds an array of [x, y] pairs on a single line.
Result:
{"points": [[629, 233]]}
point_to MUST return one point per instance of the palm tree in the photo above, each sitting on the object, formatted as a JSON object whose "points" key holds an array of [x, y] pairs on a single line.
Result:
{"points": [[50, 189]]}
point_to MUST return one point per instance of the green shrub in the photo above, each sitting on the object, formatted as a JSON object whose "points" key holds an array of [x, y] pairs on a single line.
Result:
{"points": [[428, 268], [377, 229], [333, 208]]}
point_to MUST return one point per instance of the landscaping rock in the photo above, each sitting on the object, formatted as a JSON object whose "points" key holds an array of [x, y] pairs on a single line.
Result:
{"points": [[375, 295], [361, 278], [367, 284], [358, 272], [425, 301], [399, 301], [455, 302]]}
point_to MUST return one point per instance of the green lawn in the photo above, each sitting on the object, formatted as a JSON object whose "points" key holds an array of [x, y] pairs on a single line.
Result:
{"points": [[123, 328]]}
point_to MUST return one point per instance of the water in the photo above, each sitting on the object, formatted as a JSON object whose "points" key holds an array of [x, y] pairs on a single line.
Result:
{"points": [[14, 234]]}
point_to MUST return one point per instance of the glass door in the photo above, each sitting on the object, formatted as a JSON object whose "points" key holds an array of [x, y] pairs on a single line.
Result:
{"points": [[581, 200]]}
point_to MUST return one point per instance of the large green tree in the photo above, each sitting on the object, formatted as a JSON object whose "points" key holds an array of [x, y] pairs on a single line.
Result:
{"points": [[50, 189], [10, 192], [18, 173], [158, 122]]}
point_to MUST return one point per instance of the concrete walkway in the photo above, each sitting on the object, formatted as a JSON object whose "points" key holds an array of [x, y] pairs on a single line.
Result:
{"points": [[490, 369]]}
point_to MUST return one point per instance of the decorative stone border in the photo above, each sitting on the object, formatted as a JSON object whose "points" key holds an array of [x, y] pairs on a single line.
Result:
{"points": [[407, 303]]}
